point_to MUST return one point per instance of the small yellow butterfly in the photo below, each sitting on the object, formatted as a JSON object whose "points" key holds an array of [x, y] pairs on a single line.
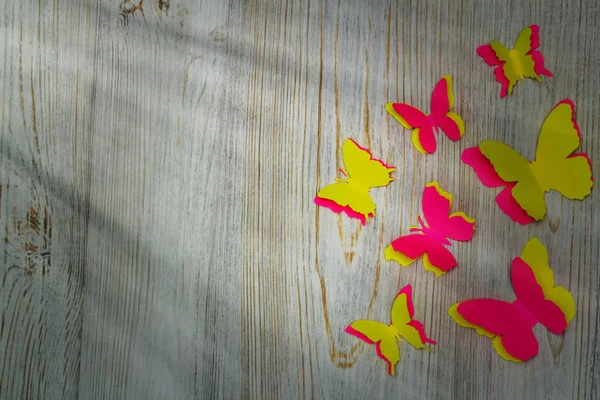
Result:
{"points": [[523, 61], [351, 195], [402, 326]]}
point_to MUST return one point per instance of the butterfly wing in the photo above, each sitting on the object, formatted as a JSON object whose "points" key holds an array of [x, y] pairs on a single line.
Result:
{"points": [[503, 80], [556, 167], [452, 125], [442, 101], [537, 57], [512, 167], [513, 336], [382, 336], [489, 56], [508, 164], [362, 167], [406, 249], [509, 206], [532, 61], [527, 41], [412, 118], [393, 255], [442, 98], [348, 198], [436, 209], [535, 256], [534, 37], [489, 177], [408, 116], [531, 294], [502, 53], [402, 312], [484, 169], [426, 135], [530, 197]]}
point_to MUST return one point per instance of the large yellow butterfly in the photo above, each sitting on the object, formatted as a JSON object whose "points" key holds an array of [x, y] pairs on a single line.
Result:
{"points": [[523, 61], [351, 195], [555, 167], [402, 327]]}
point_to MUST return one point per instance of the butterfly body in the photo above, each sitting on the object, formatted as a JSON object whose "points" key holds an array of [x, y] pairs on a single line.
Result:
{"points": [[424, 125], [518, 66], [537, 170], [512, 65], [521, 63], [510, 325], [525, 313], [356, 184], [402, 328], [434, 123], [351, 195], [429, 238], [430, 233], [555, 167]]}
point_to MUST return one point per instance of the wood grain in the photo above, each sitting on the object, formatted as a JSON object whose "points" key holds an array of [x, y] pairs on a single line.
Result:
{"points": [[159, 163]]}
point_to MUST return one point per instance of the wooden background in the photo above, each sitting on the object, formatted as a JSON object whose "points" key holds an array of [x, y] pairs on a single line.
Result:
{"points": [[159, 160]]}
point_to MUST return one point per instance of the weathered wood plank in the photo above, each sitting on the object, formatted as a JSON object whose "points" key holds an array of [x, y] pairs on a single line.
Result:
{"points": [[162, 307], [45, 110]]}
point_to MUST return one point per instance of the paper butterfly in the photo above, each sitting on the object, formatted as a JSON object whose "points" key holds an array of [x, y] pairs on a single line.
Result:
{"points": [[402, 327], [429, 241], [510, 325], [351, 195], [523, 61], [423, 125], [555, 167]]}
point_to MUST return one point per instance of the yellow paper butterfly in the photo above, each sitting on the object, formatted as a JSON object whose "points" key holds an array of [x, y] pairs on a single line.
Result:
{"points": [[554, 167], [402, 327], [351, 195], [536, 256], [523, 61]]}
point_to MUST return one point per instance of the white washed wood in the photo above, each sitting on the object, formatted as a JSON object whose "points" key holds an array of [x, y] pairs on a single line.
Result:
{"points": [[175, 147], [45, 85]]}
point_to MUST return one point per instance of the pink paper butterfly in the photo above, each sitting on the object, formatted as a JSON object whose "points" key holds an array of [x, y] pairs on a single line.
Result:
{"points": [[510, 324], [430, 238], [423, 125]]}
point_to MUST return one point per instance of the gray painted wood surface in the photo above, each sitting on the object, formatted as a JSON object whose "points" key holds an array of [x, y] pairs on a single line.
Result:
{"points": [[159, 160]]}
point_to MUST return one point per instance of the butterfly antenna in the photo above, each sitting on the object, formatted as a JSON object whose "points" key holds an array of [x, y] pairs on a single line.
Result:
{"points": [[344, 172], [417, 228]]}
